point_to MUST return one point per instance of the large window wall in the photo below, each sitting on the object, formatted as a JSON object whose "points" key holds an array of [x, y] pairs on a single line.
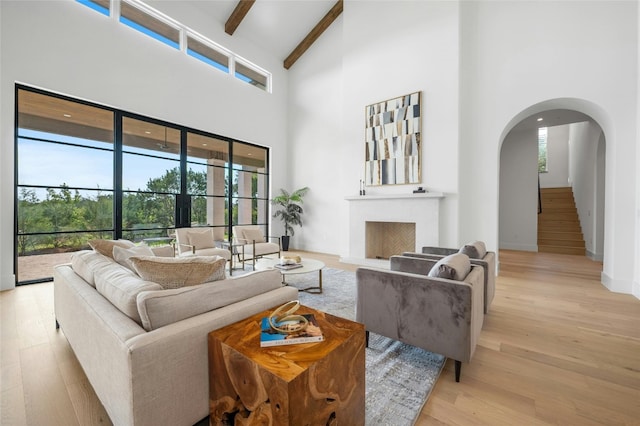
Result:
{"points": [[85, 171]]}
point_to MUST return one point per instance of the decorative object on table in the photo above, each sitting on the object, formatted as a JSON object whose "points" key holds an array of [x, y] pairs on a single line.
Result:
{"points": [[290, 212], [362, 190], [393, 146], [284, 327], [290, 259], [420, 190]]}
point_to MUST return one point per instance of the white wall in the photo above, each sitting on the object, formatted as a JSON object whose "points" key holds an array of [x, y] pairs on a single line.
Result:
{"points": [[66, 47], [557, 175], [519, 58], [317, 148], [584, 147], [519, 191], [389, 48]]}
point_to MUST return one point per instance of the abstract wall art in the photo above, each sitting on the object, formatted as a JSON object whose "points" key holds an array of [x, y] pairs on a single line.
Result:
{"points": [[393, 149]]}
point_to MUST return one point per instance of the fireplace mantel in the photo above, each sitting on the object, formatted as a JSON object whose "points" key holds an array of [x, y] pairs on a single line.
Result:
{"points": [[422, 209], [393, 196]]}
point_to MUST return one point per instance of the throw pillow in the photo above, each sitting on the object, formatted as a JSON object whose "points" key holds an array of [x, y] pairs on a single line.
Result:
{"points": [[252, 235], [201, 239], [176, 272], [475, 250], [453, 267], [123, 255], [105, 247]]}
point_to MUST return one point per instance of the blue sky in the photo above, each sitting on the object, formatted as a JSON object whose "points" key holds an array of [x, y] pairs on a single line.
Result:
{"points": [[43, 163]]}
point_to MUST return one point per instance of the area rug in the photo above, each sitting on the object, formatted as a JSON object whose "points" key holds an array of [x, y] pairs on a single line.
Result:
{"points": [[399, 377]]}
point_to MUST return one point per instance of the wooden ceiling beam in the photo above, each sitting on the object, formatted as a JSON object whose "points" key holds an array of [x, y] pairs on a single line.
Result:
{"points": [[241, 10], [316, 32]]}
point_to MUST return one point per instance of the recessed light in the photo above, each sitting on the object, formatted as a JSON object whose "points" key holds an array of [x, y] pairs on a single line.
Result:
{"points": [[540, 119], [147, 132], [67, 115]]}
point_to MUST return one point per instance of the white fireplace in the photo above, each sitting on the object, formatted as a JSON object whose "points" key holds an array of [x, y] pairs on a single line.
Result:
{"points": [[421, 210]]}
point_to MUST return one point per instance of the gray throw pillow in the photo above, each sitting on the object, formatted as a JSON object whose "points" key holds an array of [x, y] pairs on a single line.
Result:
{"points": [[475, 250], [453, 267]]}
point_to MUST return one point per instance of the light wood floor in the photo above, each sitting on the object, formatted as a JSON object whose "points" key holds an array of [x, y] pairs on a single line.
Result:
{"points": [[556, 348]]}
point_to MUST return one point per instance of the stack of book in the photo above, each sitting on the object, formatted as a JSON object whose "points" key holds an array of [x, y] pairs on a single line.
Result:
{"points": [[270, 337], [287, 266]]}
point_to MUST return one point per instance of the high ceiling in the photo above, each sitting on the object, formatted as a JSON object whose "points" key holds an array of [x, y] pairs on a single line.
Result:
{"points": [[275, 25]]}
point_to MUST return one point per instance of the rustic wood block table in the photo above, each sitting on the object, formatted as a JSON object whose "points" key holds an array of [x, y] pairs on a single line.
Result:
{"points": [[304, 384]]}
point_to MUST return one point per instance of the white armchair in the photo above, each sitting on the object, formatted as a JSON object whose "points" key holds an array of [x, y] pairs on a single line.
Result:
{"points": [[200, 242], [255, 243]]}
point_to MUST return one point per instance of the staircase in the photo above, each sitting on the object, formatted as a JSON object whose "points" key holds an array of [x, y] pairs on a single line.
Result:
{"points": [[559, 228]]}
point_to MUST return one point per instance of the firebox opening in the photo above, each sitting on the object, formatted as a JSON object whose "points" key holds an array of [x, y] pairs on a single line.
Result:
{"points": [[385, 239]]}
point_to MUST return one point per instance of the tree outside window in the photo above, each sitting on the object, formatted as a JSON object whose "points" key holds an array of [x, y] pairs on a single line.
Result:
{"points": [[542, 150]]}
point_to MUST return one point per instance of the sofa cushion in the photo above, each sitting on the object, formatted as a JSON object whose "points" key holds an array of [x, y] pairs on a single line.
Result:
{"points": [[176, 272], [453, 267], [201, 238], [162, 307], [105, 247], [123, 255], [475, 250], [120, 286], [252, 235], [86, 262]]}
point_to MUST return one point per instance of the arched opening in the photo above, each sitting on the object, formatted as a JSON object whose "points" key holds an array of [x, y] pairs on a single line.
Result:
{"points": [[537, 166]]}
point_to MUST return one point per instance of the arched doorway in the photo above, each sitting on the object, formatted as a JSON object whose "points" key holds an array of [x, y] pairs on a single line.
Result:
{"points": [[575, 159]]}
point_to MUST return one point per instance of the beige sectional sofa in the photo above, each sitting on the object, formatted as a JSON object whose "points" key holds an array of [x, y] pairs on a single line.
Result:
{"points": [[144, 348]]}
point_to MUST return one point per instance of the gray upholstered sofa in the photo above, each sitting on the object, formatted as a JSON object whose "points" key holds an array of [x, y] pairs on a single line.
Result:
{"points": [[444, 316], [144, 348]]}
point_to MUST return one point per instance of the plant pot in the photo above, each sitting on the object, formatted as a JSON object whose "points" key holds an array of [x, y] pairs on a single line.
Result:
{"points": [[285, 242]]}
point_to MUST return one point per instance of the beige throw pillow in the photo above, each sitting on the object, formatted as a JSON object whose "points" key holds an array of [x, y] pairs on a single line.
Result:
{"points": [[123, 255], [453, 267], [201, 239], [252, 235], [176, 272], [105, 247]]}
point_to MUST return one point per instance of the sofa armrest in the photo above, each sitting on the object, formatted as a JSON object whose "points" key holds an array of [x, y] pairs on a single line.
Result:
{"points": [[439, 315]]}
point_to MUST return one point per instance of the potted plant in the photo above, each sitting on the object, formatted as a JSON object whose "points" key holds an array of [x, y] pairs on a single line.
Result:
{"points": [[290, 211]]}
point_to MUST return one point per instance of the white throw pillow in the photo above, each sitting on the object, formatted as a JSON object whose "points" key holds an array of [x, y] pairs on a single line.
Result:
{"points": [[123, 255], [201, 239], [252, 235]]}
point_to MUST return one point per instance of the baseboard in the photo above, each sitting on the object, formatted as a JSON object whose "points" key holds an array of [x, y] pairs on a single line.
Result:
{"points": [[636, 289], [519, 247], [619, 286], [595, 256], [8, 282]]}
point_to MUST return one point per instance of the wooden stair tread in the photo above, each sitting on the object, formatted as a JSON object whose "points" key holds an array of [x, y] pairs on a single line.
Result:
{"points": [[559, 229]]}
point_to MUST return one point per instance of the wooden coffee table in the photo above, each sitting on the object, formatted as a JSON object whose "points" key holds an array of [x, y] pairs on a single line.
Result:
{"points": [[319, 383], [308, 265]]}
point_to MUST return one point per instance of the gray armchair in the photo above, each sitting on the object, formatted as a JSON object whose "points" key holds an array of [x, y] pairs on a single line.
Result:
{"points": [[486, 259], [443, 316]]}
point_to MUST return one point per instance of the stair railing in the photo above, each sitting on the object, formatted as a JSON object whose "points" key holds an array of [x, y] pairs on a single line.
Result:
{"points": [[539, 197]]}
